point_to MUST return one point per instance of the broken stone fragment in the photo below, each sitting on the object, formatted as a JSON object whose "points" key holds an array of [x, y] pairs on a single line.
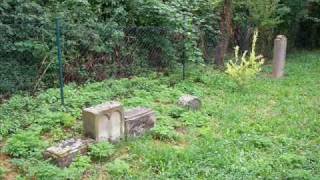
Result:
{"points": [[66, 152], [104, 122], [138, 121], [190, 102]]}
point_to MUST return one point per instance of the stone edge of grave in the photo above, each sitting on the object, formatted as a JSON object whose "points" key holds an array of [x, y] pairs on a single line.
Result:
{"points": [[145, 111], [102, 107]]}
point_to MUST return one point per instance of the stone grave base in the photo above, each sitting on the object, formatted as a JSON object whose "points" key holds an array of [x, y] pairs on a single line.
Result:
{"points": [[138, 121], [65, 153]]}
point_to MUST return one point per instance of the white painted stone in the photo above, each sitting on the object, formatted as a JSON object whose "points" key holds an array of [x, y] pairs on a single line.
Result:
{"points": [[104, 122]]}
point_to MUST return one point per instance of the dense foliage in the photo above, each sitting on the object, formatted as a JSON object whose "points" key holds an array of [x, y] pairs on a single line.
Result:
{"points": [[103, 39], [301, 22], [100, 39]]}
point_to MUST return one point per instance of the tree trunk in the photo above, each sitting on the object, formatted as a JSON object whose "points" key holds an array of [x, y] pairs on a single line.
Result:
{"points": [[242, 36], [226, 31]]}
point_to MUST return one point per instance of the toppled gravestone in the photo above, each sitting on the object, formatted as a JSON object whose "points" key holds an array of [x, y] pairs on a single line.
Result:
{"points": [[138, 121], [190, 102], [104, 122], [66, 152]]}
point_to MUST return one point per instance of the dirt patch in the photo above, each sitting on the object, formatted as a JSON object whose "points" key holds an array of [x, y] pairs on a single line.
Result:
{"points": [[11, 171]]}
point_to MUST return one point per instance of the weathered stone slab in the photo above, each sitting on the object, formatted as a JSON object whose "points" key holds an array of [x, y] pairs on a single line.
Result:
{"points": [[190, 102], [104, 122], [65, 153], [138, 121]]}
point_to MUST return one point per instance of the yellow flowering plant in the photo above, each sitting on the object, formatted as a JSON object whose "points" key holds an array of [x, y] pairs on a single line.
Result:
{"points": [[245, 68]]}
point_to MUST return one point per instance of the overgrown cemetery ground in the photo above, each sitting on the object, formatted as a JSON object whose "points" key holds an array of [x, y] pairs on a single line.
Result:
{"points": [[269, 129]]}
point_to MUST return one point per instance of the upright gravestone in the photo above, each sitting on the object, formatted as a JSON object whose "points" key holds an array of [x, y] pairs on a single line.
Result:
{"points": [[279, 56], [104, 122]]}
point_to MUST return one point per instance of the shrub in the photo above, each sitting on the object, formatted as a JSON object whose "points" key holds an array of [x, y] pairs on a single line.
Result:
{"points": [[25, 144], [118, 167], [243, 70], [101, 150]]}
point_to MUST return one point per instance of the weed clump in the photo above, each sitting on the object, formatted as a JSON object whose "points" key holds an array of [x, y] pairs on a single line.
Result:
{"points": [[25, 144], [101, 151], [245, 69], [118, 167]]}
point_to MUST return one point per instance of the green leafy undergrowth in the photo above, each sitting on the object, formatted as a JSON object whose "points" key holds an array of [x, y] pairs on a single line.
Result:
{"points": [[25, 144], [102, 150], [39, 169], [267, 130], [118, 167]]}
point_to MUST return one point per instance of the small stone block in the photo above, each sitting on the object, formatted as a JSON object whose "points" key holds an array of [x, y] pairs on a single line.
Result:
{"points": [[190, 102], [65, 153], [104, 122], [138, 121]]}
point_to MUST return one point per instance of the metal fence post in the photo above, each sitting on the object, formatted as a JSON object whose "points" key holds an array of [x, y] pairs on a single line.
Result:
{"points": [[184, 50], [184, 62], [61, 79]]}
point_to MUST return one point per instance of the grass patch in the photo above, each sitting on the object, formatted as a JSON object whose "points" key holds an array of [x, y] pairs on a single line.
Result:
{"points": [[268, 129]]}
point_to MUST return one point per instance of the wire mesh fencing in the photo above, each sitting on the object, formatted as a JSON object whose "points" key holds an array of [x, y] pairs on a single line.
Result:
{"points": [[89, 53]]}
